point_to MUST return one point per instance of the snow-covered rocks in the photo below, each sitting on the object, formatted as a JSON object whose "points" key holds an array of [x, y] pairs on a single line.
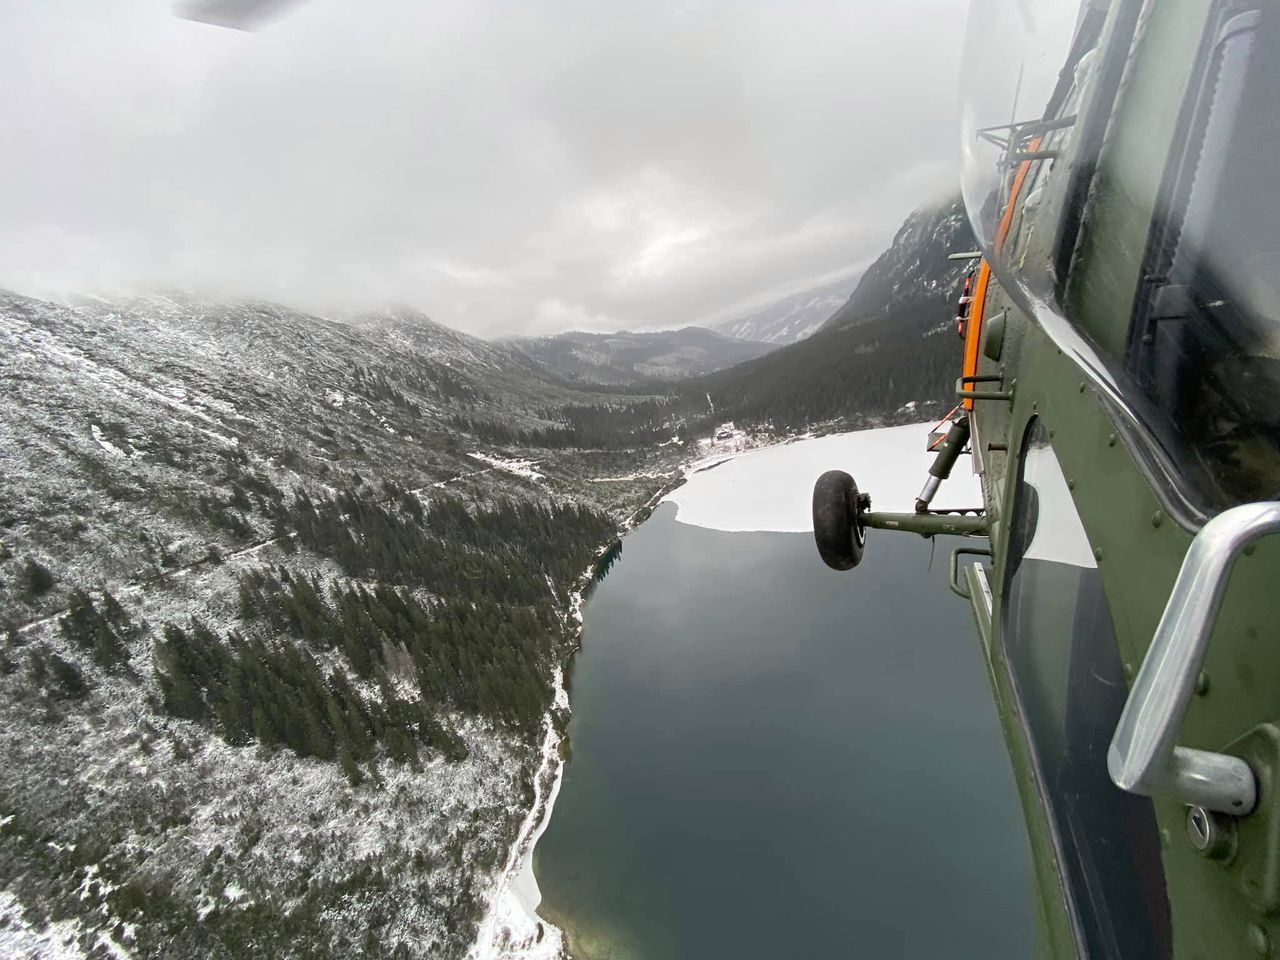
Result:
{"points": [[517, 468]]}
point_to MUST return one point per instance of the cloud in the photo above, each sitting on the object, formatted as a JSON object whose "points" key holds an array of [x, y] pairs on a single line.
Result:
{"points": [[496, 165], [554, 315], [469, 275]]}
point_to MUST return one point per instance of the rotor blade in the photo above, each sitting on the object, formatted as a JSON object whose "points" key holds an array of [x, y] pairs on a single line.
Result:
{"points": [[236, 14]]}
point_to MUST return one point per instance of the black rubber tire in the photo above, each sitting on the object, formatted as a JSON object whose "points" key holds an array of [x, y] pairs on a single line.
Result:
{"points": [[837, 523]]}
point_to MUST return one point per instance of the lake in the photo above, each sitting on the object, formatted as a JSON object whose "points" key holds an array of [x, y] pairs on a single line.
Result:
{"points": [[772, 759]]}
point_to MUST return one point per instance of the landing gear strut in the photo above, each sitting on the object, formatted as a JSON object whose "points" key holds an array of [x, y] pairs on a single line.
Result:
{"points": [[842, 515], [949, 451]]}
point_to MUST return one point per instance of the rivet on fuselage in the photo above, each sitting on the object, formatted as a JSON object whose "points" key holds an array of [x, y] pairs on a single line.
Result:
{"points": [[1128, 670], [1111, 440], [1082, 386], [1097, 553], [1071, 484], [1249, 548], [1157, 518], [1202, 684]]}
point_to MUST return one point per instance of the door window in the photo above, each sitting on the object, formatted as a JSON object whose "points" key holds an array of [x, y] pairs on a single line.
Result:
{"points": [[1205, 343], [1066, 668]]}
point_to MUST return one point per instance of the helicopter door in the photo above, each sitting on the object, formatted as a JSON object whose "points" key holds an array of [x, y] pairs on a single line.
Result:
{"points": [[1061, 651]]}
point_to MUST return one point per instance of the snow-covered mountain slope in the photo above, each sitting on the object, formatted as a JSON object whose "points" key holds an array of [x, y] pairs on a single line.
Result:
{"points": [[627, 357], [914, 269], [283, 599], [791, 319], [282, 602], [889, 354]]}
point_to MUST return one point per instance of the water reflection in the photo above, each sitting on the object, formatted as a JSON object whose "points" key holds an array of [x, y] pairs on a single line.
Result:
{"points": [[773, 759]]}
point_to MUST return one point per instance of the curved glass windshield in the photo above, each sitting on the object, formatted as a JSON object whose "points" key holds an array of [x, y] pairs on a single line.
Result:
{"points": [[1015, 52]]}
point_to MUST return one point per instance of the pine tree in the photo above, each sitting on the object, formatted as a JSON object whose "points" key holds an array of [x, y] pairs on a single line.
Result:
{"points": [[67, 678], [35, 577], [262, 731], [349, 766]]}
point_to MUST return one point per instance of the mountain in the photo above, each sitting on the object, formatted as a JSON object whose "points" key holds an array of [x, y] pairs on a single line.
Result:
{"points": [[890, 345], [790, 319], [284, 605], [626, 357], [285, 602], [915, 268]]}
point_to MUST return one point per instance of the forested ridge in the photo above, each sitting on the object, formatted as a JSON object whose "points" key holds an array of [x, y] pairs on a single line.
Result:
{"points": [[284, 597], [892, 343], [389, 620], [282, 613], [463, 603], [848, 374], [622, 425]]}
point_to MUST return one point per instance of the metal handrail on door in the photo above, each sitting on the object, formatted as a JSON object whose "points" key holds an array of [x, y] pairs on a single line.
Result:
{"points": [[1144, 757]]}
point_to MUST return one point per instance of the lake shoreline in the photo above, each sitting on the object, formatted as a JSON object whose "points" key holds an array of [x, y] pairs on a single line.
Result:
{"points": [[513, 927]]}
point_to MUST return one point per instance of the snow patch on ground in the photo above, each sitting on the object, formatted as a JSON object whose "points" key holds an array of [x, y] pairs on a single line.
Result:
{"points": [[727, 438], [118, 952], [771, 489], [19, 940], [103, 442], [519, 468], [512, 928], [647, 475]]}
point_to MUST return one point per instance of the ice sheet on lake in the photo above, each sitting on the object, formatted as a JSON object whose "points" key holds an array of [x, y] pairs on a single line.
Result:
{"points": [[771, 489]]}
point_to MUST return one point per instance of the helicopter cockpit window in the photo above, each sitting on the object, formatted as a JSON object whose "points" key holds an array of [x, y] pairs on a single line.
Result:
{"points": [[1205, 343], [1061, 650], [1026, 68]]}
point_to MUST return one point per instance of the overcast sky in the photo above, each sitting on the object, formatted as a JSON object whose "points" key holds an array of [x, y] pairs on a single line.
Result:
{"points": [[506, 167]]}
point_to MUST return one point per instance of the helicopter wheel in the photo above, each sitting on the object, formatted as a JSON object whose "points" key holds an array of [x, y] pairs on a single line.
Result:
{"points": [[837, 520]]}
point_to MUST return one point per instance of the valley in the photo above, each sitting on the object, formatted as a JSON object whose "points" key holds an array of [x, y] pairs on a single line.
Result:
{"points": [[280, 635], [286, 598]]}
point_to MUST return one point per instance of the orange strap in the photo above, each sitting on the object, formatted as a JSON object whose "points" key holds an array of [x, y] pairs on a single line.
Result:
{"points": [[973, 327], [1015, 191]]}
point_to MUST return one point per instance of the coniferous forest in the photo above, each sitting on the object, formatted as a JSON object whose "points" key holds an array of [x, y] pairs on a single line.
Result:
{"points": [[283, 615], [846, 374], [460, 603]]}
